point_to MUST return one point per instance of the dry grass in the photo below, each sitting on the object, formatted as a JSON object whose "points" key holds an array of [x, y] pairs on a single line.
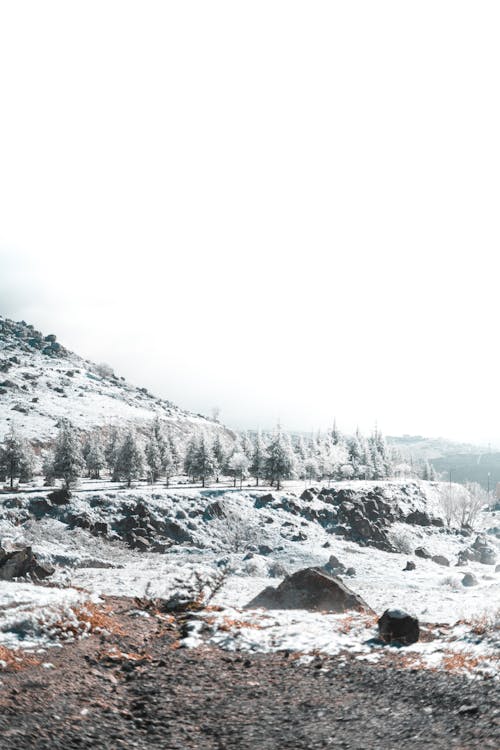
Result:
{"points": [[484, 623], [114, 656], [89, 618], [458, 661], [13, 661], [228, 624]]}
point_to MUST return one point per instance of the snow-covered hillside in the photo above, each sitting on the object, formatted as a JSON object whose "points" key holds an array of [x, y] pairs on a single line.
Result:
{"points": [[41, 382]]}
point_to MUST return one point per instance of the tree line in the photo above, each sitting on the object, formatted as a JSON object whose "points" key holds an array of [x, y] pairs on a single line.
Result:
{"points": [[127, 456]]}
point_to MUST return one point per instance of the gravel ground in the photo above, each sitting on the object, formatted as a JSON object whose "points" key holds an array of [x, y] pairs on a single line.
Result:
{"points": [[207, 698]]}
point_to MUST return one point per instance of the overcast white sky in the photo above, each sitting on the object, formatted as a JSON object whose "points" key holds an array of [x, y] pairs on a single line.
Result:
{"points": [[286, 209]]}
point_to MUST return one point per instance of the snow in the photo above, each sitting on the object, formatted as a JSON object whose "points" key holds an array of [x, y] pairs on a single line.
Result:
{"points": [[102, 566], [41, 390]]}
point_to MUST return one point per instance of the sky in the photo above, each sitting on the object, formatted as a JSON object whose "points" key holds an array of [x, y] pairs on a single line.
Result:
{"points": [[286, 210]]}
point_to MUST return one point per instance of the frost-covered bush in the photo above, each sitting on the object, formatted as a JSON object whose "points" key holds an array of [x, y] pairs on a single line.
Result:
{"points": [[451, 582], [401, 541]]}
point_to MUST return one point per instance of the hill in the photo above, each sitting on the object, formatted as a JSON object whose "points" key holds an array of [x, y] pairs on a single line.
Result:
{"points": [[41, 382]]}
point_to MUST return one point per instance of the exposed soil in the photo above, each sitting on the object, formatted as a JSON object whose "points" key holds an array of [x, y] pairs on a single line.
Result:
{"points": [[160, 696]]}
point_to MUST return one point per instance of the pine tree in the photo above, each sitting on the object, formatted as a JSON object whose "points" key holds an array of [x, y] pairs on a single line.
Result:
{"points": [[68, 461], [246, 445], [172, 459], [238, 466], [220, 453], [129, 460], [112, 447], [280, 462], [259, 457], [154, 459], [16, 458], [190, 458], [205, 465], [95, 459]]}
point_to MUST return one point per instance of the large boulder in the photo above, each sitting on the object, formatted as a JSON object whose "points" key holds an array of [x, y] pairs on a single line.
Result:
{"points": [[313, 589], [441, 560], [20, 563], [60, 497], [469, 580], [423, 553], [397, 626]]}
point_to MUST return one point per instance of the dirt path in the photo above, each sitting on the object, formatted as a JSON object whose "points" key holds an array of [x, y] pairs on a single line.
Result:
{"points": [[163, 697]]}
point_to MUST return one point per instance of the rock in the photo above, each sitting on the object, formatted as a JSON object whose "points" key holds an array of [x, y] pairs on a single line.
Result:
{"points": [[307, 495], [264, 549], [19, 563], [334, 566], [397, 626], [469, 580], [350, 572], [39, 506], [264, 500], [487, 556], [326, 545], [313, 589], [60, 497], [419, 517], [276, 570], [100, 528], [300, 537], [440, 560], [139, 542], [410, 565], [423, 552]]}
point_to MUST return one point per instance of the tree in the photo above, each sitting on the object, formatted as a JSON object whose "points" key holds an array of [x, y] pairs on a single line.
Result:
{"points": [[68, 461], [16, 458], [259, 457], [129, 460], [95, 459], [112, 448], [154, 459], [311, 468], [280, 462], [205, 462], [238, 466], [172, 458], [190, 458], [220, 453], [200, 462]]}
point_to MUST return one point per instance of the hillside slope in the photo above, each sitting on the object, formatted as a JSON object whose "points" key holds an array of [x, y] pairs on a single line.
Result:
{"points": [[41, 382]]}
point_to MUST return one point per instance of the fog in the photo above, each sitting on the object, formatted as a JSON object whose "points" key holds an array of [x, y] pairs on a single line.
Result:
{"points": [[286, 210]]}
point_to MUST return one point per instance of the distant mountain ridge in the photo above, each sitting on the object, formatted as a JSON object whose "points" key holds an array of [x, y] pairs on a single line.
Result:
{"points": [[42, 382], [423, 448]]}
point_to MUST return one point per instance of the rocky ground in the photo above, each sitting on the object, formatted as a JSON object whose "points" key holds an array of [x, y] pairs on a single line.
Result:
{"points": [[132, 687]]}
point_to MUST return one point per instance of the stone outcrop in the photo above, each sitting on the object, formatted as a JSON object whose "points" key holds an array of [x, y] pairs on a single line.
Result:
{"points": [[313, 589], [22, 563]]}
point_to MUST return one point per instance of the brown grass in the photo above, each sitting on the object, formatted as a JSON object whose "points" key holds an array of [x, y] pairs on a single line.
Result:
{"points": [[117, 656], [90, 618], [16, 660], [229, 624]]}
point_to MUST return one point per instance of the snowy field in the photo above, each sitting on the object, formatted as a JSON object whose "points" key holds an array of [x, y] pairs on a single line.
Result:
{"points": [[257, 546]]}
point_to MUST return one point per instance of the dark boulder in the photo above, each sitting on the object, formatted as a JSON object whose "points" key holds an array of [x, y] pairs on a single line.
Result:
{"points": [[60, 497], [469, 580], [307, 495], [21, 563], [440, 560], [410, 565], [313, 589], [334, 566], [422, 552], [398, 627]]}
